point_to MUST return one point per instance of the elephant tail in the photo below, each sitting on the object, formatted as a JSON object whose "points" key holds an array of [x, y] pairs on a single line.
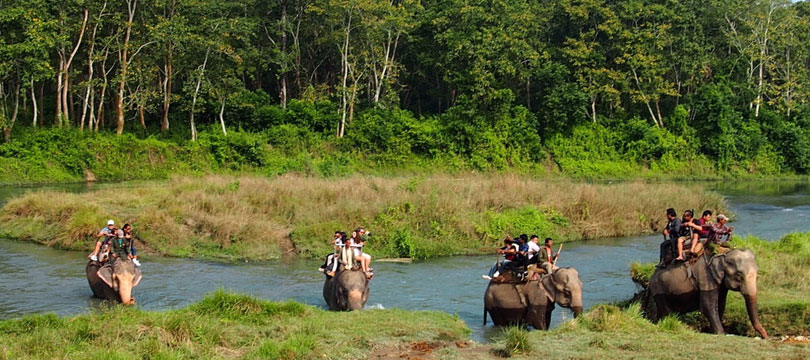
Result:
{"points": [[485, 316]]}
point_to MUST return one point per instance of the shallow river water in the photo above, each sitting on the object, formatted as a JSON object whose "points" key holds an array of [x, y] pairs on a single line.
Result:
{"points": [[37, 279]]}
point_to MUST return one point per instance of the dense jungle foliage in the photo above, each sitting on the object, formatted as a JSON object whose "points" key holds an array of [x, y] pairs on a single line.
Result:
{"points": [[583, 87]]}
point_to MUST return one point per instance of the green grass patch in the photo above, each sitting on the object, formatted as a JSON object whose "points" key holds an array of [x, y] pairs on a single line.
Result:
{"points": [[608, 332], [224, 325]]}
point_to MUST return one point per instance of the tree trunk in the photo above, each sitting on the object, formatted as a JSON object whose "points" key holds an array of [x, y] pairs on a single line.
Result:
{"points": [[67, 105], [86, 103], [167, 84], [222, 116], [345, 63], [196, 92], [57, 121], [9, 125], [41, 101], [124, 63], [141, 116], [34, 103], [167, 90], [283, 91], [660, 117]]}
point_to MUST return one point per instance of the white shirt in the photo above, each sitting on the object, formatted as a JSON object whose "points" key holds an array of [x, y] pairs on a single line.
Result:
{"points": [[534, 248]]}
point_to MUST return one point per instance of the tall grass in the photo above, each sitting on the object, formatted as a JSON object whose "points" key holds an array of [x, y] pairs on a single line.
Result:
{"points": [[223, 325], [250, 217]]}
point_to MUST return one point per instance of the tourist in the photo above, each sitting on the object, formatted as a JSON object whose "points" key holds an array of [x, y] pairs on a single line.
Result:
{"points": [[509, 251], [107, 233], [719, 229], [705, 224], [670, 232], [534, 248], [133, 253], [330, 264], [685, 233]]}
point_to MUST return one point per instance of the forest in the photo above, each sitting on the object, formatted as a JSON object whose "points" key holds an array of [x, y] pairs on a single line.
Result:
{"points": [[584, 87]]}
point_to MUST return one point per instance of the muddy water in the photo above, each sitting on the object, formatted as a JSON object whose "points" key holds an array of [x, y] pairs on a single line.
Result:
{"points": [[36, 279]]}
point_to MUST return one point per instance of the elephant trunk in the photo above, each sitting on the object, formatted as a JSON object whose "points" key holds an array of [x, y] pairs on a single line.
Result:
{"points": [[125, 291], [753, 314], [576, 302], [355, 300], [124, 277]]}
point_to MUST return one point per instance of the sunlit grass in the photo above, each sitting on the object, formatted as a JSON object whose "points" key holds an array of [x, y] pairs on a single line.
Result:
{"points": [[254, 218], [223, 325]]}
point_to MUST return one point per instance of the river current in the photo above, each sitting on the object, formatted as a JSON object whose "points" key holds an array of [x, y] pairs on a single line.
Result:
{"points": [[37, 279]]}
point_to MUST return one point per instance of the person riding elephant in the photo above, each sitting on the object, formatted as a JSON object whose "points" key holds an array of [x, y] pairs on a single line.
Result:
{"points": [[113, 282], [532, 301], [704, 285], [349, 287]]}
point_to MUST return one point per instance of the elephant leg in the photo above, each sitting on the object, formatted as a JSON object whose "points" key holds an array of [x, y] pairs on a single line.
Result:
{"points": [[536, 317], [661, 308], [708, 306], [548, 318], [721, 303]]}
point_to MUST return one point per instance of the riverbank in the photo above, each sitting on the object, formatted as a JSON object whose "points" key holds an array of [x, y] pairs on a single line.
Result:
{"points": [[259, 218], [608, 332], [228, 326], [783, 283]]}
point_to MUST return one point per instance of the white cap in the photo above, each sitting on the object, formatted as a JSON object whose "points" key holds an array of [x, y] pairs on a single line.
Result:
{"points": [[110, 222], [722, 217]]}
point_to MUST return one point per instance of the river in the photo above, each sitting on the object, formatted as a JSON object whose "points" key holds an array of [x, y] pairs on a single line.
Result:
{"points": [[37, 279]]}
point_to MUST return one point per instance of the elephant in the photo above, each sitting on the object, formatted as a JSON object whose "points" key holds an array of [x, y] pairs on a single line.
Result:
{"points": [[531, 302], [347, 290], [113, 283], [704, 285]]}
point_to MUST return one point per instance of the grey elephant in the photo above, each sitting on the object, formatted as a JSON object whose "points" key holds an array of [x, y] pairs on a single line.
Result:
{"points": [[531, 302], [704, 286], [114, 282], [349, 288]]}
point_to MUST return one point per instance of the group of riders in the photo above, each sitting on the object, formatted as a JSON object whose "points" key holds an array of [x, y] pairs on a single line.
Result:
{"points": [[348, 250], [683, 237], [687, 236], [114, 243], [522, 256]]}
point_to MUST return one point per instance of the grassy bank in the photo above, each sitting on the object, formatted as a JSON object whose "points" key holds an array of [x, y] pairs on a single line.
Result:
{"points": [[418, 217], [783, 286], [608, 332], [231, 326]]}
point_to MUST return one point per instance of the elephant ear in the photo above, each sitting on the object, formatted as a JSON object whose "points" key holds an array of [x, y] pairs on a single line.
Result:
{"points": [[105, 274], [548, 284], [137, 278], [717, 268]]}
